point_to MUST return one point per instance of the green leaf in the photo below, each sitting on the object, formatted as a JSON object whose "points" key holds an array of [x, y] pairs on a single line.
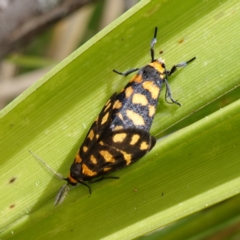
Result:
{"points": [[221, 219], [189, 170]]}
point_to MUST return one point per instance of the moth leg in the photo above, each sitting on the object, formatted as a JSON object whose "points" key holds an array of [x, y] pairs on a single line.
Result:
{"points": [[85, 184], [102, 178], [127, 72], [168, 94], [181, 64]]}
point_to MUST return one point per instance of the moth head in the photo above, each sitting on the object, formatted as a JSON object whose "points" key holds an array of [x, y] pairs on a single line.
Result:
{"points": [[160, 60], [62, 193]]}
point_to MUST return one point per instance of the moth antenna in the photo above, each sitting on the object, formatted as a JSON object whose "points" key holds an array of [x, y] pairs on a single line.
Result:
{"points": [[153, 42], [42, 162], [61, 194]]}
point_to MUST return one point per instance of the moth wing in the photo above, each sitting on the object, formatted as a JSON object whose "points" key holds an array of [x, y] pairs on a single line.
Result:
{"points": [[97, 129], [118, 149]]}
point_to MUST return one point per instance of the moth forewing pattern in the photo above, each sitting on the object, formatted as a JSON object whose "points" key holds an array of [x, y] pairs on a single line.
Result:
{"points": [[95, 133], [138, 101], [98, 128], [116, 150]]}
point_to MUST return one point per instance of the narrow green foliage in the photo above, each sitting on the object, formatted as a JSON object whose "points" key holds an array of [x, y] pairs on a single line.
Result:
{"points": [[189, 170]]}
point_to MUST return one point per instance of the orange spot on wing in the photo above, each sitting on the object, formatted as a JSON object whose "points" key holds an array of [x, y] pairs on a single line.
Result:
{"points": [[137, 78], [78, 159], [88, 172], [134, 139], [91, 135], [136, 118], [108, 157], [120, 116], [85, 148], [108, 101], [117, 105], [107, 107], [106, 169], [128, 91], [93, 159], [119, 137], [151, 110], [152, 88], [105, 118], [127, 157], [144, 146], [139, 99]]}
